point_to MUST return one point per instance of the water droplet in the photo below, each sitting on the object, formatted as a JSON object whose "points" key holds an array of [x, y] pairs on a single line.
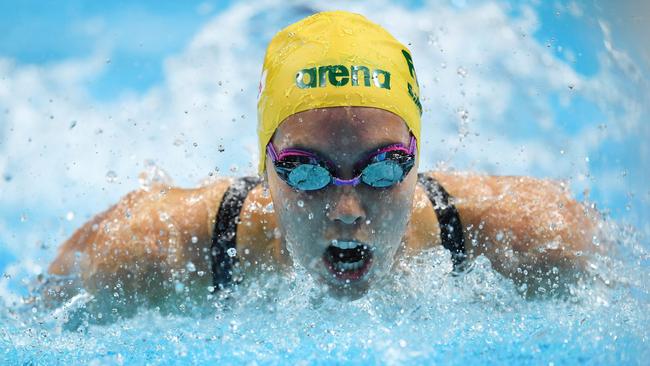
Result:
{"points": [[268, 208], [195, 240], [220, 148], [111, 176], [266, 194], [108, 60], [72, 124], [310, 216], [231, 252], [463, 114], [461, 72], [178, 142], [179, 287], [301, 203], [69, 216], [190, 267], [499, 236], [195, 144], [553, 245], [595, 241], [151, 175]]}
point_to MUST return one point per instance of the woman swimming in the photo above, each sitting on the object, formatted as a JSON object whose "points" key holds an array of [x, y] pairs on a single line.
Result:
{"points": [[339, 191]]}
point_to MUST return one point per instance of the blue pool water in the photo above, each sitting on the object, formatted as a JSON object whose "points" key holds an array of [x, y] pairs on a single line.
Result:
{"points": [[420, 315], [555, 90]]}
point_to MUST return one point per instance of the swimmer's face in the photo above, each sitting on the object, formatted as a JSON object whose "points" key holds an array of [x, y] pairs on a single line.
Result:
{"points": [[334, 230]]}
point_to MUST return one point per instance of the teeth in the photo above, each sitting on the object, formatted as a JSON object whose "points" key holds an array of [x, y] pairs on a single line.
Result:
{"points": [[341, 266], [342, 244]]}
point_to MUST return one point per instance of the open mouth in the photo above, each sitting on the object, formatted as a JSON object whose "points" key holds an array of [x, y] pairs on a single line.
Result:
{"points": [[348, 260]]}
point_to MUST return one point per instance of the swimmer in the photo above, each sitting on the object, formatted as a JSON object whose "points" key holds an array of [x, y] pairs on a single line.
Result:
{"points": [[338, 191]]}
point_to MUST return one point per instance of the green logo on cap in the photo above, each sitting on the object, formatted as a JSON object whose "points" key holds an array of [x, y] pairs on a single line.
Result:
{"points": [[414, 97], [339, 75]]}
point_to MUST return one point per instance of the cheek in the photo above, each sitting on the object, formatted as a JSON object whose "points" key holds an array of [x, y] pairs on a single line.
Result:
{"points": [[393, 203], [390, 210], [299, 213]]}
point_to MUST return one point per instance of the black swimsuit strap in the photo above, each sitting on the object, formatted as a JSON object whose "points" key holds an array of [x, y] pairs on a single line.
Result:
{"points": [[224, 236], [451, 229]]}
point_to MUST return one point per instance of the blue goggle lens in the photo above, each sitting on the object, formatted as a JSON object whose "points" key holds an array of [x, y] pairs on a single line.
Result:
{"points": [[382, 174], [308, 177]]}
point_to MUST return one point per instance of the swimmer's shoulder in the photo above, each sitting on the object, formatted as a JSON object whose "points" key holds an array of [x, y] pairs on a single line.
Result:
{"points": [[481, 198], [522, 215], [258, 233], [435, 204], [257, 236], [422, 230]]}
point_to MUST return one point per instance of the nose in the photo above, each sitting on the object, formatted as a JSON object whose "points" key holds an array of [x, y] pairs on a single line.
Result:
{"points": [[346, 207]]}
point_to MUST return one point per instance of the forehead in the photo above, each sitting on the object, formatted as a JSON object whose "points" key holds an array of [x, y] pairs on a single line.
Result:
{"points": [[337, 130]]}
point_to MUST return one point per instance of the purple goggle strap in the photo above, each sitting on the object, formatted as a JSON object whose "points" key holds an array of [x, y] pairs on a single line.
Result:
{"points": [[338, 181]]}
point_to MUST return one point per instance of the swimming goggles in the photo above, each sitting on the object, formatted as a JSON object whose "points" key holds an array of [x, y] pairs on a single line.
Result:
{"points": [[307, 171]]}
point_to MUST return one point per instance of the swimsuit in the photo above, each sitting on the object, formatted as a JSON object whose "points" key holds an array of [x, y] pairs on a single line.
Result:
{"points": [[224, 236]]}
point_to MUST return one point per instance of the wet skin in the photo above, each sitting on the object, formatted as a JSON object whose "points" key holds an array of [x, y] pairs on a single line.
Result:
{"points": [[310, 220], [528, 228]]}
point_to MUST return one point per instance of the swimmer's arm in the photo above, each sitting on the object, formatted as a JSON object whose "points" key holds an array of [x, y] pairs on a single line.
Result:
{"points": [[528, 228], [141, 246]]}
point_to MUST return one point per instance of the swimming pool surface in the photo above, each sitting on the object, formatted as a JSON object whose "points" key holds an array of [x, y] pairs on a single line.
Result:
{"points": [[554, 90]]}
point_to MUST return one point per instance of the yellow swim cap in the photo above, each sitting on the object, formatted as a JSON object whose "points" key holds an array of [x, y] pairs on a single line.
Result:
{"points": [[333, 59]]}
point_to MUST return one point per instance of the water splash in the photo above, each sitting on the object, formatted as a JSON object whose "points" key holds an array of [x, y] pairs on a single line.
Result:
{"points": [[420, 313], [153, 175]]}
